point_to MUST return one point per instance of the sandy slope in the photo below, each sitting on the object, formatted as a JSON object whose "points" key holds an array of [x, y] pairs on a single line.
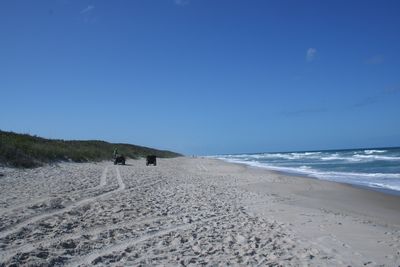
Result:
{"points": [[184, 211]]}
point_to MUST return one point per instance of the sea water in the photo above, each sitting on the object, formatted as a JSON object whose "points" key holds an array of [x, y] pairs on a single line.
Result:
{"points": [[377, 168]]}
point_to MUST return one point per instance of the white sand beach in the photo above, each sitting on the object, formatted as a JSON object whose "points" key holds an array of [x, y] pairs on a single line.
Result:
{"points": [[190, 212]]}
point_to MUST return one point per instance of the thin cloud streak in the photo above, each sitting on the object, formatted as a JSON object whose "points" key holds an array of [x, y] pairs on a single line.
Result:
{"points": [[392, 89], [370, 100], [367, 101], [302, 112], [375, 60]]}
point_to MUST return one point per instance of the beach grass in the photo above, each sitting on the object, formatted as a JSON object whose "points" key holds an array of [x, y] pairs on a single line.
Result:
{"points": [[27, 151]]}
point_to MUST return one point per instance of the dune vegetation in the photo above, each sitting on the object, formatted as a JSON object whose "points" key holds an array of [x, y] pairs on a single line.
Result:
{"points": [[27, 151]]}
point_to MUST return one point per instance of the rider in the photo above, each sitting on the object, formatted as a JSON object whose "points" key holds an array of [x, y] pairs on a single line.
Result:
{"points": [[115, 153]]}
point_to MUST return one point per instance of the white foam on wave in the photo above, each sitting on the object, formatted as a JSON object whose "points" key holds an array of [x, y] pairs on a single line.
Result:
{"points": [[287, 156], [358, 157], [372, 151], [376, 180], [385, 186], [338, 157], [376, 157]]}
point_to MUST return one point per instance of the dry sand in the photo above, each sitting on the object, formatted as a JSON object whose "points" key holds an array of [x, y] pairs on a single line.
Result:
{"points": [[190, 212]]}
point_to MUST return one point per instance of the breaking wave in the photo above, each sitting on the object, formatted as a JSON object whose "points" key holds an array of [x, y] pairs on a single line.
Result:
{"points": [[374, 168]]}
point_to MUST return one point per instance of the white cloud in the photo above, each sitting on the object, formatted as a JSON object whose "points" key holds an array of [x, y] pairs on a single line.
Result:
{"points": [[87, 9], [311, 54]]}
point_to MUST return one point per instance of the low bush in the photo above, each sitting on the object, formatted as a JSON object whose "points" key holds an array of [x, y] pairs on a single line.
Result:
{"points": [[26, 151]]}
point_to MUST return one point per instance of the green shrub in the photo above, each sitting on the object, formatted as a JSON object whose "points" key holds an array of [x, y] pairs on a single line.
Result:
{"points": [[26, 151]]}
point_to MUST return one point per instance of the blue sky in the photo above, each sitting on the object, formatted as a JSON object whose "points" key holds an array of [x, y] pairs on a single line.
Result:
{"points": [[203, 76]]}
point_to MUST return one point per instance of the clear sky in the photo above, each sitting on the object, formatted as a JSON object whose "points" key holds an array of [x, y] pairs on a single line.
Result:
{"points": [[203, 76]]}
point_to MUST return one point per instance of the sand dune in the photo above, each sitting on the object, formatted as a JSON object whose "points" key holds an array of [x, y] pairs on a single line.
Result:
{"points": [[183, 212]]}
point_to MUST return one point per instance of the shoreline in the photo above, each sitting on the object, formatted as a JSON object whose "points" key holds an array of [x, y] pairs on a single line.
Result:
{"points": [[335, 215], [368, 193], [368, 188]]}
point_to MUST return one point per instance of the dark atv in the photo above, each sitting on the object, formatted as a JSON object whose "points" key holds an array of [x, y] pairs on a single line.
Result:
{"points": [[119, 160], [151, 160]]}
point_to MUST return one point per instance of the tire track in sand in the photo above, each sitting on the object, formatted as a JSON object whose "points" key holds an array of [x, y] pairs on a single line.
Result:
{"points": [[201, 167], [121, 185], [19, 226], [103, 182], [121, 246], [103, 179], [9, 253]]}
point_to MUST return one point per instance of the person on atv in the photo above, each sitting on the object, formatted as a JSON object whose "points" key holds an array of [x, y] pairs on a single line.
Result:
{"points": [[115, 153]]}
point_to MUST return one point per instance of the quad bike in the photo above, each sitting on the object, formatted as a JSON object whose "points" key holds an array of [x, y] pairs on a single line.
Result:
{"points": [[119, 159], [151, 160]]}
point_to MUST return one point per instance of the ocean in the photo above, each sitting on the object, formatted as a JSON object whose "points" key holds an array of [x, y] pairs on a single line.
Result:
{"points": [[377, 168]]}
